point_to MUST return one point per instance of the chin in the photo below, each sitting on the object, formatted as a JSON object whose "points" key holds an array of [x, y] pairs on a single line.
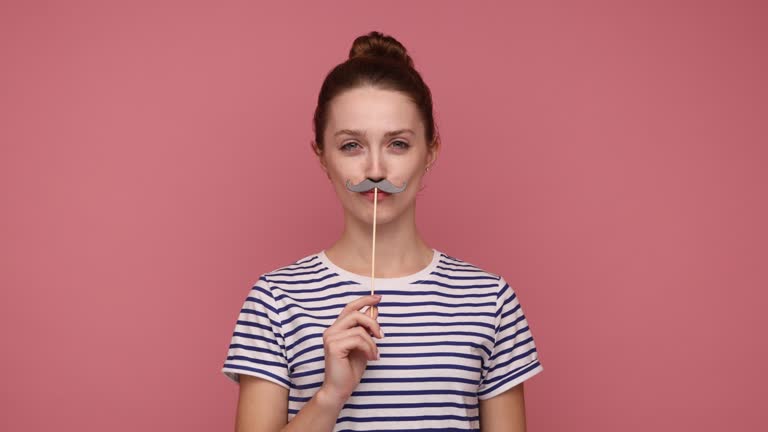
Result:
{"points": [[366, 215]]}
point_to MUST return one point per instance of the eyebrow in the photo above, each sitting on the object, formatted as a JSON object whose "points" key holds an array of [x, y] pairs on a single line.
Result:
{"points": [[356, 132]]}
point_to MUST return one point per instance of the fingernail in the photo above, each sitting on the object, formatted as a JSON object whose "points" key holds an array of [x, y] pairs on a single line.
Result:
{"points": [[382, 331]]}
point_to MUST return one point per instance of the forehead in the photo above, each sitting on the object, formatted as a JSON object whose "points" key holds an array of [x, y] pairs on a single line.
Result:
{"points": [[373, 110]]}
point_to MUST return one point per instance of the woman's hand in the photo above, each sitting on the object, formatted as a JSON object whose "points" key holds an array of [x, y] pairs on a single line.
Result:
{"points": [[348, 348]]}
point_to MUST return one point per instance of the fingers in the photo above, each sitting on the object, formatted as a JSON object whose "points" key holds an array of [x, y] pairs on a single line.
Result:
{"points": [[373, 309], [354, 329], [358, 318], [343, 347], [353, 309], [356, 305], [343, 342]]}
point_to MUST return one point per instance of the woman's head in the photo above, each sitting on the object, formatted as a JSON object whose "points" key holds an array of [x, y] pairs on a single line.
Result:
{"points": [[374, 119], [382, 62]]}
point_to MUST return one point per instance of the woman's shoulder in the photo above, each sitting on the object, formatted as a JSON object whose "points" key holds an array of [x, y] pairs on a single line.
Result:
{"points": [[306, 264], [455, 270], [449, 263]]}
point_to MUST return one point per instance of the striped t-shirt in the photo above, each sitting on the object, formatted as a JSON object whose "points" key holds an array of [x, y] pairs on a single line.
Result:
{"points": [[454, 333]]}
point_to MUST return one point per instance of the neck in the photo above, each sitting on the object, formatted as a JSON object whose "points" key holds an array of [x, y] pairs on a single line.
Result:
{"points": [[400, 250]]}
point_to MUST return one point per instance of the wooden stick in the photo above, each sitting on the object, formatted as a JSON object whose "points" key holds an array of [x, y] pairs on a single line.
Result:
{"points": [[373, 250]]}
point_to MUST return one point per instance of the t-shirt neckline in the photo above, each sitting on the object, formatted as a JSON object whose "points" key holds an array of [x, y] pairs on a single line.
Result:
{"points": [[366, 279]]}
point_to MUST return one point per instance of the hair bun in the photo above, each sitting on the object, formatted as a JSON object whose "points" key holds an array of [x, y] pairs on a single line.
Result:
{"points": [[376, 44]]}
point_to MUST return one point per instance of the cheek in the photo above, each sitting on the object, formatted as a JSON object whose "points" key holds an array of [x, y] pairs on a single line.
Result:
{"points": [[414, 181], [341, 172]]}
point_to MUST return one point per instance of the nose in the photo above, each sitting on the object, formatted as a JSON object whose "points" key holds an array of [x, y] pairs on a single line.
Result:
{"points": [[375, 170], [376, 179]]}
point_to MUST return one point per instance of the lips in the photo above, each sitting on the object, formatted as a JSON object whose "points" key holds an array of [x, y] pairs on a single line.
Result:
{"points": [[369, 195]]}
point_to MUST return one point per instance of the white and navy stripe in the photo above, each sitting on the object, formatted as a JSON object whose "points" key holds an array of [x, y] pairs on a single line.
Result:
{"points": [[455, 334]]}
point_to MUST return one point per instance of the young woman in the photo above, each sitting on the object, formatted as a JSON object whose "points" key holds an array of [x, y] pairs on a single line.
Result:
{"points": [[306, 352]]}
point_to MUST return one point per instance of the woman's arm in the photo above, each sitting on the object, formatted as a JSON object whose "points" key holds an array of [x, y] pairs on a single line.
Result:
{"points": [[504, 412], [263, 407]]}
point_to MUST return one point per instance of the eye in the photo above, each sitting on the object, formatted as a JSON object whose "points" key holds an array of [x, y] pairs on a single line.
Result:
{"points": [[345, 146], [404, 145]]}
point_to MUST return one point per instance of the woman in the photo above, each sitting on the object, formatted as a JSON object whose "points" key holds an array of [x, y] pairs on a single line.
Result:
{"points": [[307, 353]]}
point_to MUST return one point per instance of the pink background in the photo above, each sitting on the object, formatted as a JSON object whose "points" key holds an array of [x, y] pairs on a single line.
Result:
{"points": [[155, 160]]}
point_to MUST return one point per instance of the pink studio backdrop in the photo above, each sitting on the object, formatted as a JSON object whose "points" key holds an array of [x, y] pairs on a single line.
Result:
{"points": [[155, 160]]}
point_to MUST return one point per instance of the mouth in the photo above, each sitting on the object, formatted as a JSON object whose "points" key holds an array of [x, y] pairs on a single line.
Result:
{"points": [[369, 195]]}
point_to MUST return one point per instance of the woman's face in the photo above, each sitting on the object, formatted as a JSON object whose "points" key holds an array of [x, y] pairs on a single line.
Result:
{"points": [[376, 134]]}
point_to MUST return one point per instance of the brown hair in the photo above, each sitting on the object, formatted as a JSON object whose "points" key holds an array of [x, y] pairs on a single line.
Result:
{"points": [[381, 61]]}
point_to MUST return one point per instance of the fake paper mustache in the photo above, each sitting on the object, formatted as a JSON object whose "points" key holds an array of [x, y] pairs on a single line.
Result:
{"points": [[383, 185]]}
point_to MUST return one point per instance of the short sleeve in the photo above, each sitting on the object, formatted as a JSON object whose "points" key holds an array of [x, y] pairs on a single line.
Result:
{"points": [[514, 358], [257, 347]]}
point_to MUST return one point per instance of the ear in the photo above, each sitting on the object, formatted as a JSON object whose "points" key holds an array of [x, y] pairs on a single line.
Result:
{"points": [[432, 152], [315, 148], [320, 156]]}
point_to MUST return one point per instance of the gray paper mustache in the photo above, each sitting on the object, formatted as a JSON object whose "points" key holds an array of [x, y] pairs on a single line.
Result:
{"points": [[368, 184]]}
